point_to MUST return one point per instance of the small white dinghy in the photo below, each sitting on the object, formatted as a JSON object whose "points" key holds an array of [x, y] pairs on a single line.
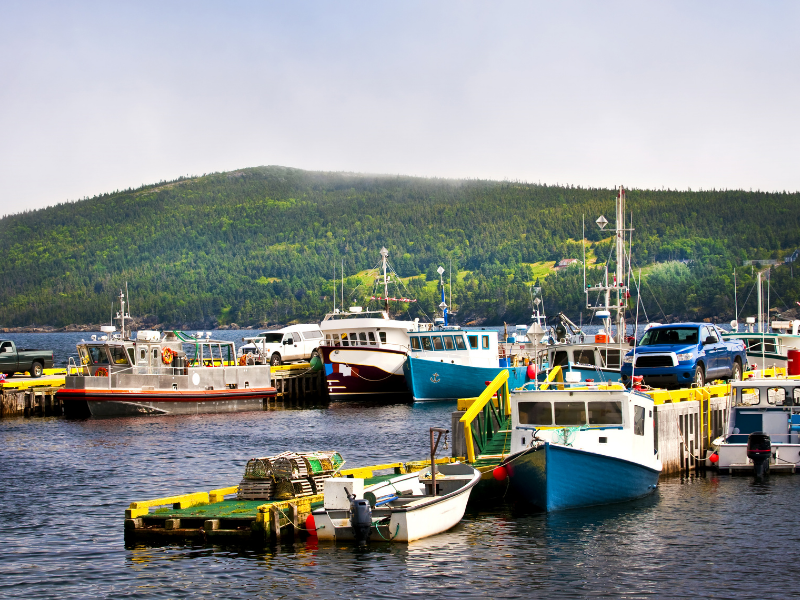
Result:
{"points": [[401, 509]]}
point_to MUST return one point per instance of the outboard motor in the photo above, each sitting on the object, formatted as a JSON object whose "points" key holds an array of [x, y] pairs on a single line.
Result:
{"points": [[759, 450], [360, 519]]}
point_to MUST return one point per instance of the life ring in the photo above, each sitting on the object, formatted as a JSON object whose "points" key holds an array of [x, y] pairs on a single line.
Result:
{"points": [[101, 372], [243, 360], [167, 354]]}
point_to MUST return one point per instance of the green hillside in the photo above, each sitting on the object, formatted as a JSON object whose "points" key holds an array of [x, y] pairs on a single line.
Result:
{"points": [[259, 246]]}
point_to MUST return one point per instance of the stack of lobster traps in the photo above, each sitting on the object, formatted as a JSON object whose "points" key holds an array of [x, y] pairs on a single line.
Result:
{"points": [[288, 475]]}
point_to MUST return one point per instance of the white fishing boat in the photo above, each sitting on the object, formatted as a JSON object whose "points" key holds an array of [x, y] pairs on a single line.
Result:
{"points": [[364, 350], [400, 509], [762, 428]]}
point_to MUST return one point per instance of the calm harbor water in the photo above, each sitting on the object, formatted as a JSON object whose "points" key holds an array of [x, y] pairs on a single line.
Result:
{"points": [[65, 485]]}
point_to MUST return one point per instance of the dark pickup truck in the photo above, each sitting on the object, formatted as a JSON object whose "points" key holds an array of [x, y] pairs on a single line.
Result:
{"points": [[13, 360], [683, 354]]}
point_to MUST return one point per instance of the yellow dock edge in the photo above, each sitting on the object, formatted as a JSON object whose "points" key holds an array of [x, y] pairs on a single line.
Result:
{"points": [[142, 507]]}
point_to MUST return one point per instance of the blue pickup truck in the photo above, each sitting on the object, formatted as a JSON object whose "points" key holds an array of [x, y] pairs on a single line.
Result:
{"points": [[684, 353]]}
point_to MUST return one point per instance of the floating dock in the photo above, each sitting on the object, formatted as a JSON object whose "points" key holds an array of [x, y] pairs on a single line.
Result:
{"points": [[216, 517]]}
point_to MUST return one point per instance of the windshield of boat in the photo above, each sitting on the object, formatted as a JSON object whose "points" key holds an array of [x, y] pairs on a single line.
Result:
{"points": [[269, 338], [669, 336]]}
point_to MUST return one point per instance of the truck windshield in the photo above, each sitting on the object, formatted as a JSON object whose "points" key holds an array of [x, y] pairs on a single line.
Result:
{"points": [[270, 338], [669, 336]]}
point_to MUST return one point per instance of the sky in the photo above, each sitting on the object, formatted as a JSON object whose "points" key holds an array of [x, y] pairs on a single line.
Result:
{"points": [[101, 96]]}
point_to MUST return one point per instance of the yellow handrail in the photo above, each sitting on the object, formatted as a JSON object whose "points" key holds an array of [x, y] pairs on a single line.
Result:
{"points": [[477, 406], [551, 376]]}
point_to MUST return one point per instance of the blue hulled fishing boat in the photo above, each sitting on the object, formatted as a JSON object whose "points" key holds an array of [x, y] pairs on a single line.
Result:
{"points": [[574, 448]]}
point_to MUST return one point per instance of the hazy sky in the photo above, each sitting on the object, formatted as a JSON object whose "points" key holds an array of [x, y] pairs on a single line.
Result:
{"points": [[98, 96]]}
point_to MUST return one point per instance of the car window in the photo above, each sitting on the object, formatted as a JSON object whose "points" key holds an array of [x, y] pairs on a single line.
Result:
{"points": [[296, 337]]}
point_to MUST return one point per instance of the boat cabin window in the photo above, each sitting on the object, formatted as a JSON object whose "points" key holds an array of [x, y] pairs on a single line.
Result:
{"points": [[535, 413], [118, 356], [460, 344], [155, 355], [362, 337], [612, 359], [485, 342], [97, 355], [437, 343], [415, 343], [345, 341], [776, 396], [143, 355], [426, 343], [638, 420], [570, 413], [585, 357], [448, 342], [372, 341], [560, 359], [669, 335], [755, 345], [605, 413], [132, 356], [473, 341], [382, 335]]}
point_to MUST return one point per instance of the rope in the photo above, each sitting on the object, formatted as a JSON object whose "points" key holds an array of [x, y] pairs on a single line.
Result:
{"points": [[391, 537]]}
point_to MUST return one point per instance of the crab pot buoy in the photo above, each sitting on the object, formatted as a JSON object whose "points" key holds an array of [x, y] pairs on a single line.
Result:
{"points": [[311, 526], [500, 473], [531, 371], [714, 458]]}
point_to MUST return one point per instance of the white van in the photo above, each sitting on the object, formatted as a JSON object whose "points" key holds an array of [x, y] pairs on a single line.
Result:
{"points": [[293, 343]]}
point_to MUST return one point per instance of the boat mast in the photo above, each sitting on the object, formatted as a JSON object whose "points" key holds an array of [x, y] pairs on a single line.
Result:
{"points": [[122, 315], [384, 254], [760, 308], [620, 282], [618, 285]]}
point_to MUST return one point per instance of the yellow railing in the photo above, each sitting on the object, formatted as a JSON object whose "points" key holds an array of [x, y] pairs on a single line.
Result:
{"points": [[555, 374], [501, 381]]}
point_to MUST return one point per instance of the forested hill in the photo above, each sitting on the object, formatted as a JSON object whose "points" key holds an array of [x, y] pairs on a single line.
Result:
{"points": [[259, 246]]}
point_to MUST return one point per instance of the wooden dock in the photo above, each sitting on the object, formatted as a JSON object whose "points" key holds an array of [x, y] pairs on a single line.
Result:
{"points": [[40, 401], [298, 384]]}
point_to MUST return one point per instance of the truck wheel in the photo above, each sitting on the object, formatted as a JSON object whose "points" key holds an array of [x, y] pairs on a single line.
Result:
{"points": [[36, 369], [699, 376], [276, 361], [736, 374]]}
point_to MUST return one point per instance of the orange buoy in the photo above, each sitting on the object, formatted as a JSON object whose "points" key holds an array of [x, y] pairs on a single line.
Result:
{"points": [[500, 473], [532, 371], [311, 525]]}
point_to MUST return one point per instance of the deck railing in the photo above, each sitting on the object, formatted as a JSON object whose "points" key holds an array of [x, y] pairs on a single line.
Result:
{"points": [[486, 417]]}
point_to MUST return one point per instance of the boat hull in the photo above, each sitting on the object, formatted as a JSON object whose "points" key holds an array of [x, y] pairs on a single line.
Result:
{"points": [[554, 477], [433, 380], [125, 403], [359, 372]]}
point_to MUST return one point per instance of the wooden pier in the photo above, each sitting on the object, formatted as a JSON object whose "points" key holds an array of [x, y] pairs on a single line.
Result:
{"points": [[40, 401], [298, 384]]}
